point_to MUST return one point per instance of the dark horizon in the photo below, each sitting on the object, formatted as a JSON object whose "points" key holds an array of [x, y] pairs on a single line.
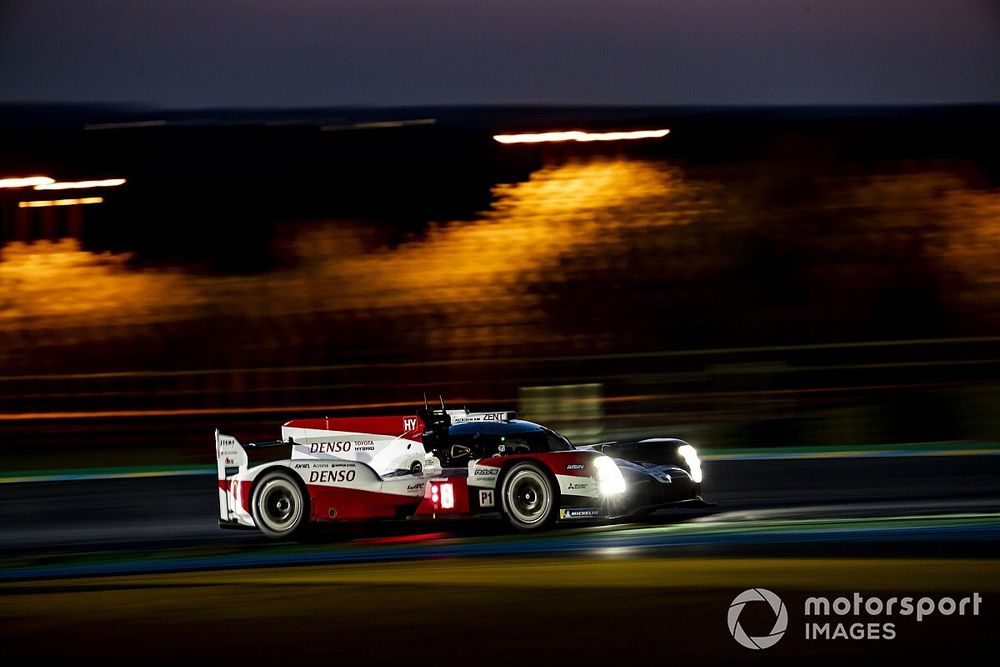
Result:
{"points": [[186, 55], [554, 116]]}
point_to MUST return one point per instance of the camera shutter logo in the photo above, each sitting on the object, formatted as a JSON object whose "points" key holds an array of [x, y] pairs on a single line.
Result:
{"points": [[780, 622]]}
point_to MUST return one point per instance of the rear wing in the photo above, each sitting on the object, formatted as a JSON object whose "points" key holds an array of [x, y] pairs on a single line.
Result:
{"points": [[231, 459], [229, 455]]}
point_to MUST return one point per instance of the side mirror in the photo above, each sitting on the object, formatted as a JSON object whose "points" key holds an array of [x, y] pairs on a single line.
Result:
{"points": [[458, 451]]}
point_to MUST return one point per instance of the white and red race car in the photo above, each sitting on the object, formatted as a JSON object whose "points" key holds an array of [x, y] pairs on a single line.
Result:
{"points": [[444, 463]]}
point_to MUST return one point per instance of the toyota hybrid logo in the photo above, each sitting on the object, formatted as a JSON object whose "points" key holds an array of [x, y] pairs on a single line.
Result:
{"points": [[780, 618]]}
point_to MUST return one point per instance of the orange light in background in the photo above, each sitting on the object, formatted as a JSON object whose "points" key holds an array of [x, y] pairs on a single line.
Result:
{"points": [[26, 182], [42, 203], [578, 135], [81, 185]]}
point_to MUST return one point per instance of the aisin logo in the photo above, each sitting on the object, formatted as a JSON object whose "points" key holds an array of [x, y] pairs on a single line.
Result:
{"points": [[780, 622]]}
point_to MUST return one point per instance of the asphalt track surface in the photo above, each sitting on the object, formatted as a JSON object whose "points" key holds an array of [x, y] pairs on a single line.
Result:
{"points": [[140, 560], [179, 510]]}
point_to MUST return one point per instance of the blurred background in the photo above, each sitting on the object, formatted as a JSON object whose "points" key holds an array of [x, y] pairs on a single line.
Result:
{"points": [[758, 277], [230, 214]]}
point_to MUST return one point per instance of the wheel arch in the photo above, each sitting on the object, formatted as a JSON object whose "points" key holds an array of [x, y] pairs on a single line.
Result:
{"points": [[295, 477], [506, 467], [557, 496]]}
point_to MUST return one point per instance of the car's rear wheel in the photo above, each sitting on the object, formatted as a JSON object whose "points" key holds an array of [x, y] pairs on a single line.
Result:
{"points": [[528, 496], [279, 505]]}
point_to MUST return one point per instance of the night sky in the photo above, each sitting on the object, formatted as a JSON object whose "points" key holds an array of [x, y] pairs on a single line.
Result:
{"points": [[196, 53]]}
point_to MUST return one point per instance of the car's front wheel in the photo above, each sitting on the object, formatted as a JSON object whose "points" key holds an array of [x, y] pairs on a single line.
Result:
{"points": [[279, 506], [528, 496]]}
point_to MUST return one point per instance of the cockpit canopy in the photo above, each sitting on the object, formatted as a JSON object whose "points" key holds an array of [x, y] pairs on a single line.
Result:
{"points": [[476, 440]]}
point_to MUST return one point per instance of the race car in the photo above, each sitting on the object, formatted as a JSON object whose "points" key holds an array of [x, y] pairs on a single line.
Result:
{"points": [[444, 463]]}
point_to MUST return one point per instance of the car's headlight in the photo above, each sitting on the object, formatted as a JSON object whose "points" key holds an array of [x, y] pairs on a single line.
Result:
{"points": [[690, 455], [609, 478]]}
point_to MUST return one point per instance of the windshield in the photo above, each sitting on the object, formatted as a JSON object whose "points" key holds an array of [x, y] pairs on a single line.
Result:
{"points": [[482, 445], [558, 441]]}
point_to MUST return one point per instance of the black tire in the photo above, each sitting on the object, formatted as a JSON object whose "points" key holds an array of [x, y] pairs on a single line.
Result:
{"points": [[528, 497], [279, 506]]}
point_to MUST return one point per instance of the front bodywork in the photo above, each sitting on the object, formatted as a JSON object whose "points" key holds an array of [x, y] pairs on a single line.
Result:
{"points": [[659, 473]]}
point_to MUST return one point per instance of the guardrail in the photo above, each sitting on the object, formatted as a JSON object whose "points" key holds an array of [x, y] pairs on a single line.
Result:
{"points": [[847, 392]]}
